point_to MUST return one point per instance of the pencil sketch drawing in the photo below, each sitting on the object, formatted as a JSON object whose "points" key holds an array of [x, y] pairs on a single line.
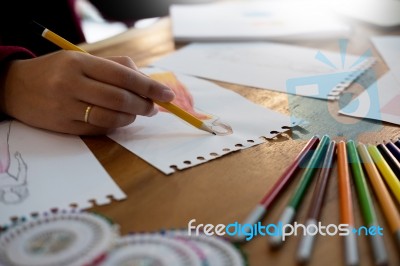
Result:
{"points": [[13, 187]]}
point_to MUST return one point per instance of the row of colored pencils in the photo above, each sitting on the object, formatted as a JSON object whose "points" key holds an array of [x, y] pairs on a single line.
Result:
{"points": [[377, 165]]}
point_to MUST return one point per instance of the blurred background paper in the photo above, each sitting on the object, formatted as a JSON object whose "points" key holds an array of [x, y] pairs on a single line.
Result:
{"points": [[389, 48], [381, 13], [311, 72], [255, 20]]}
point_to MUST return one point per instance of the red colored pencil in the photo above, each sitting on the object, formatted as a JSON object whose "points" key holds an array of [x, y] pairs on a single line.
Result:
{"points": [[262, 207]]}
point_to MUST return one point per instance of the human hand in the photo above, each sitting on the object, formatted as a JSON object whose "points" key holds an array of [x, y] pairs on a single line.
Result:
{"points": [[53, 92]]}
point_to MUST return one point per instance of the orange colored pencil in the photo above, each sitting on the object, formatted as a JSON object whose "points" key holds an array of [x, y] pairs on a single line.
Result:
{"points": [[346, 204]]}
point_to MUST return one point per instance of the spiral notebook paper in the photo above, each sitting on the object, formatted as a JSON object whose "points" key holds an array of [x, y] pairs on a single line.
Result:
{"points": [[42, 170], [279, 67], [168, 143], [380, 101]]}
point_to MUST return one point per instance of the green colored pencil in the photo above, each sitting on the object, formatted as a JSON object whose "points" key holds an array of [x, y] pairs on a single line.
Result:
{"points": [[366, 205]]}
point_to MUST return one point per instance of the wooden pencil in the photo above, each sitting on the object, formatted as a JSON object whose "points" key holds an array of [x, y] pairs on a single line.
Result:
{"points": [[307, 242], [390, 159], [397, 143], [393, 149], [346, 205]]}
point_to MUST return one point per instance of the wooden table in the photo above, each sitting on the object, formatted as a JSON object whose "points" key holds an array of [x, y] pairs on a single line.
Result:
{"points": [[225, 190]]}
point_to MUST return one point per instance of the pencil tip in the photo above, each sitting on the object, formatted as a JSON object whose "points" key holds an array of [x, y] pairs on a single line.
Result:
{"points": [[275, 242], [302, 260], [36, 27]]}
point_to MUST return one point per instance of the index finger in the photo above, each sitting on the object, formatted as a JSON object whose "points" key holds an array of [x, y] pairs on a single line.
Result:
{"points": [[121, 76]]}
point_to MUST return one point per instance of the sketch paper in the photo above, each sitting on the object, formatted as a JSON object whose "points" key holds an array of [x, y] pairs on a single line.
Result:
{"points": [[380, 101], [268, 66], [165, 140], [42, 170], [255, 20]]}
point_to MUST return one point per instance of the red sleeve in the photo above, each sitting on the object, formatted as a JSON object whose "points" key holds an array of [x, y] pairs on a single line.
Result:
{"points": [[8, 53]]}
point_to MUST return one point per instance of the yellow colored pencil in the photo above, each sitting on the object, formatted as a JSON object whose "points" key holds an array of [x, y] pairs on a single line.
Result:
{"points": [[388, 205], [174, 109], [385, 170]]}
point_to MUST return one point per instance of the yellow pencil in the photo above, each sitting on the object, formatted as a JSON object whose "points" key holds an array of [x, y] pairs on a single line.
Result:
{"points": [[384, 169], [388, 205], [174, 109]]}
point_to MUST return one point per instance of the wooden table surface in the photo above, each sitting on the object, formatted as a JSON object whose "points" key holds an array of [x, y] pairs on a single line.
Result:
{"points": [[226, 189]]}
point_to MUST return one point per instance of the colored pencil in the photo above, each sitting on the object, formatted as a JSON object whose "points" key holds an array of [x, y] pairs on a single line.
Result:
{"points": [[393, 149], [397, 143], [262, 207], [384, 169], [174, 109], [314, 211], [346, 205], [386, 201], [306, 178], [367, 207], [390, 159]]}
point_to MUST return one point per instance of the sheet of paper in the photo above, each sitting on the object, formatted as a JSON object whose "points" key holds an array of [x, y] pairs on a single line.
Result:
{"points": [[41, 170], [168, 143], [380, 101], [255, 20], [389, 48], [280, 67]]}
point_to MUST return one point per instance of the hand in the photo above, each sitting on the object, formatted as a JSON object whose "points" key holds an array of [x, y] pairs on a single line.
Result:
{"points": [[53, 91]]}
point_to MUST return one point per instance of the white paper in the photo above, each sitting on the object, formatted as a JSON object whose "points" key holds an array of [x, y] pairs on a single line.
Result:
{"points": [[48, 170], [164, 140], [380, 101], [389, 48], [255, 20], [279, 67]]}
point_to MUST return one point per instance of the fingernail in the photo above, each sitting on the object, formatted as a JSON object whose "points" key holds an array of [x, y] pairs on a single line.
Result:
{"points": [[167, 94]]}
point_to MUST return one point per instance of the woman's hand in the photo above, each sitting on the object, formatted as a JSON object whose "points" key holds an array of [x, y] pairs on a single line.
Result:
{"points": [[54, 91]]}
